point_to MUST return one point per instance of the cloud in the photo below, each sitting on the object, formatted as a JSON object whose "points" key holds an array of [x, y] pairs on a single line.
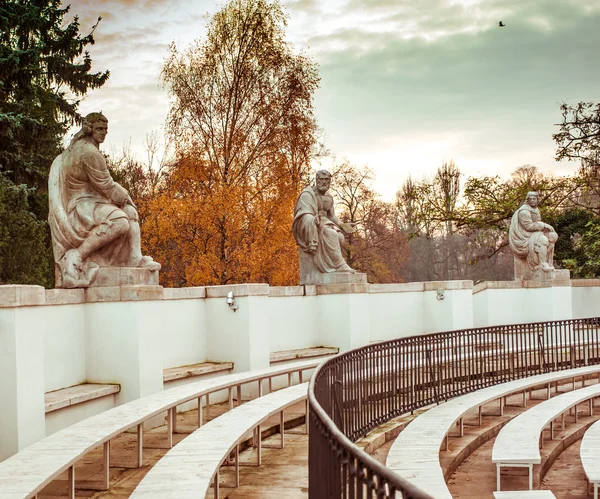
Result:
{"points": [[120, 4], [500, 86], [404, 84]]}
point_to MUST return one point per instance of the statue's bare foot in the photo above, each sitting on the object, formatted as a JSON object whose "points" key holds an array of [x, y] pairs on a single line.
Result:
{"points": [[148, 263], [346, 268], [546, 267]]}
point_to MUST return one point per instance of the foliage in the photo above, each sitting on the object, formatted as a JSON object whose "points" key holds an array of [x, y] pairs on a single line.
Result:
{"points": [[42, 78], [578, 137], [244, 133], [22, 239], [378, 246], [571, 225], [143, 180], [588, 246], [44, 72], [461, 233], [491, 202]]}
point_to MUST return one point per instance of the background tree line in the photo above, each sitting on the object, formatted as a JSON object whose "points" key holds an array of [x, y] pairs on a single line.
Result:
{"points": [[241, 139]]}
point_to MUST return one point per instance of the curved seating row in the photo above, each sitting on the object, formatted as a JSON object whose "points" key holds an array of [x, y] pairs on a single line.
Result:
{"points": [[26, 473], [189, 468], [414, 455], [590, 455], [518, 442]]}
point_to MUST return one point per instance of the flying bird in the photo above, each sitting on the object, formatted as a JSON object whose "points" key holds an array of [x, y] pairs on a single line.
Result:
{"points": [[501, 24]]}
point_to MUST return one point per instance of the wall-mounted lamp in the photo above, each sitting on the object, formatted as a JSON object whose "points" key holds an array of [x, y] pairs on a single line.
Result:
{"points": [[439, 294], [231, 301]]}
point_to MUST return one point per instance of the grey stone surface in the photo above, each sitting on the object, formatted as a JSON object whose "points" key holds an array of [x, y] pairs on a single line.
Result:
{"points": [[532, 242], [585, 283], [125, 276], [342, 288], [64, 296], [340, 278], [319, 234], [93, 220], [140, 293], [447, 285], [184, 293], [283, 291], [238, 290], [21, 295]]}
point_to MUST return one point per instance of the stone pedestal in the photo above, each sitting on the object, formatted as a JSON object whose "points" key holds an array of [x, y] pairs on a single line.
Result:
{"points": [[310, 275], [124, 284], [125, 276], [524, 273]]}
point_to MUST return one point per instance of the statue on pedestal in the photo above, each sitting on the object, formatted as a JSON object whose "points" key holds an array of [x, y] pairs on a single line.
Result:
{"points": [[320, 234], [93, 221], [531, 240]]}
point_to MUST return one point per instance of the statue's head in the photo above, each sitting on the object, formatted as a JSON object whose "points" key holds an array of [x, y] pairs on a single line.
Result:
{"points": [[323, 181], [533, 199], [95, 126]]}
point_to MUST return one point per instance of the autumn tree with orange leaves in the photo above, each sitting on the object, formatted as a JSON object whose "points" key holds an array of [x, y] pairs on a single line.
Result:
{"points": [[244, 132]]}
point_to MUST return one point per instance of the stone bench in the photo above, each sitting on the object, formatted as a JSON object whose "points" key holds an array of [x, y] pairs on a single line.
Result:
{"points": [[518, 443], [175, 373], [414, 455], [302, 353], [590, 455], [525, 494], [29, 471], [187, 470], [77, 394]]}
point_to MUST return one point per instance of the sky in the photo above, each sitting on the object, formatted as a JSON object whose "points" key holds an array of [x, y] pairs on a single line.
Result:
{"points": [[405, 84]]}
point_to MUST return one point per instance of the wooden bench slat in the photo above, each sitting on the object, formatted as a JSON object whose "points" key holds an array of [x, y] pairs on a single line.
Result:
{"points": [[181, 372], [302, 353], [66, 397]]}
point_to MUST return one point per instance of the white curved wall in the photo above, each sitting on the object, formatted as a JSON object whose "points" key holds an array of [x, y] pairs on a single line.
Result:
{"points": [[52, 339]]}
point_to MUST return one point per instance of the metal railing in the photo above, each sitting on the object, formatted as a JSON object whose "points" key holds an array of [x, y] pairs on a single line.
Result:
{"points": [[359, 390]]}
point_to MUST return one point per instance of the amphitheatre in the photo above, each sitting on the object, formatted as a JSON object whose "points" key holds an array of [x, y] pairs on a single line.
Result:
{"points": [[114, 386], [115, 382]]}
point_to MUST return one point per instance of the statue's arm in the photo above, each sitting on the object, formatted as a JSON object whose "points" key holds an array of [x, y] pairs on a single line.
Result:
{"points": [[528, 224], [99, 177]]}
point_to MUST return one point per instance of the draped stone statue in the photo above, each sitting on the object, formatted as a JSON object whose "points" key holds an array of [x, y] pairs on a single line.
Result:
{"points": [[320, 234], [93, 221], [531, 240]]}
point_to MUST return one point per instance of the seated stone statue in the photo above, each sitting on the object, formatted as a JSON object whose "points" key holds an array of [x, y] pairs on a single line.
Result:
{"points": [[93, 220], [318, 231], [530, 239]]}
